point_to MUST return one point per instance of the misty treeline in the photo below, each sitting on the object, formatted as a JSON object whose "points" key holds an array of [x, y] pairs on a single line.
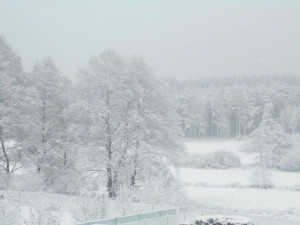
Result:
{"points": [[114, 130], [234, 106], [263, 110]]}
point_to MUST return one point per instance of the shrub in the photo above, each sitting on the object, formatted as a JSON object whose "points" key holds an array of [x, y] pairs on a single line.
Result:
{"points": [[261, 178], [27, 182], [4, 181], [291, 161], [222, 160], [10, 212], [44, 215], [89, 210], [216, 160]]}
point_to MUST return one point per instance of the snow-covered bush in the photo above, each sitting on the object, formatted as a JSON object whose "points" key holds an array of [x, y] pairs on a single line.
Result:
{"points": [[261, 178], [222, 160], [9, 213], [43, 215], [3, 180], [160, 187], [291, 161], [27, 182], [89, 210], [217, 160], [220, 220], [123, 203], [68, 182]]}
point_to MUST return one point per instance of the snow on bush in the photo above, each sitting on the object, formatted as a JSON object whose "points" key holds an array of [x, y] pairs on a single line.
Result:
{"points": [[261, 178], [3, 180], [220, 220], [9, 213], [222, 160], [27, 182], [44, 215], [291, 161], [216, 160], [87, 210]]}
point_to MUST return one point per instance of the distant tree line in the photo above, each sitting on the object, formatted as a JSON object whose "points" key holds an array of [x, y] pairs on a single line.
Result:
{"points": [[234, 106]]}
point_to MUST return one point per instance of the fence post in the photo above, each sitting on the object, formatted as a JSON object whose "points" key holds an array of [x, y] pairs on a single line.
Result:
{"points": [[167, 219], [144, 221]]}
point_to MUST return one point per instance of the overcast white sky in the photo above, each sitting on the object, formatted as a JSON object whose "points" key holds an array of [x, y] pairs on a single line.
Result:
{"points": [[185, 39]]}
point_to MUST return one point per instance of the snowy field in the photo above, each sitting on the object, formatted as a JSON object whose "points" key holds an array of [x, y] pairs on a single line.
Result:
{"points": [[274, 202], [236, 178], [228, 190]]}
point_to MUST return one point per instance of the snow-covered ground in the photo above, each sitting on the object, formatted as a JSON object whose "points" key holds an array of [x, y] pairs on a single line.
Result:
{"points": [[229, 189], [278, 202], [236, 178], [68, 205]]}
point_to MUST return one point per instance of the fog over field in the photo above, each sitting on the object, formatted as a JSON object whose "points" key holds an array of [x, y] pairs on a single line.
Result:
{"points": [[150, 112]]}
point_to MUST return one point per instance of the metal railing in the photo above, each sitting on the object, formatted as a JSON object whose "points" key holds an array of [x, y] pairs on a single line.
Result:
{"points": [[162, 217]]}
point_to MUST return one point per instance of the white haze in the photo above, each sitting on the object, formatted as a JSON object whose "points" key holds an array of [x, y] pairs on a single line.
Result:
{"points": [[184, 39]]}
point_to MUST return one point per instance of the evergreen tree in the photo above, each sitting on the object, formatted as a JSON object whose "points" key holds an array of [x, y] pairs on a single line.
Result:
{"points": [[269, 140]]}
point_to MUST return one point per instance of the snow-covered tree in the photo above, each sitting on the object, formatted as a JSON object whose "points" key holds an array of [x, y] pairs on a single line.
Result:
{"points": [[269, 140], [13, 107], [103, 98], [48, 144], [154, 122], [126, 119], [44, 121]]}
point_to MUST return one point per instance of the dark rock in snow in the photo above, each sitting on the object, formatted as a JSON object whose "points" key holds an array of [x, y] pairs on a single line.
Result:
{"points": [[220, 220]]}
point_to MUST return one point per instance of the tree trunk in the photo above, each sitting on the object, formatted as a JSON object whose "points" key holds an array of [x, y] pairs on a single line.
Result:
{"points": [[43, 140], [109, 169], [212, 125], [239, 127], [7, 167], [134, 174], [109, 182], [133, 178], [135, 161], [65, 160]]}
